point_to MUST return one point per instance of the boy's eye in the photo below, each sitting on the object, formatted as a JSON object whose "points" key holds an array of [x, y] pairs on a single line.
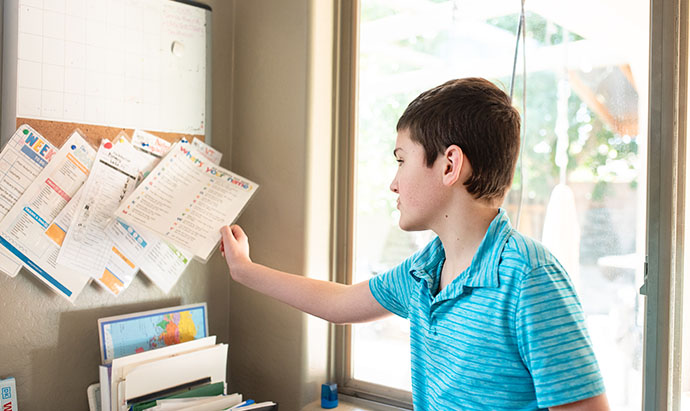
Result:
{"points": [[399, 161]]}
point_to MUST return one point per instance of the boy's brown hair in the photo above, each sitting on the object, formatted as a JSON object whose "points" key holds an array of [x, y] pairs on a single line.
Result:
{"points": [[478, 117]]}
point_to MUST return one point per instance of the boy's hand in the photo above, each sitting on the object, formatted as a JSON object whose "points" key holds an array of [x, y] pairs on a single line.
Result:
{"points": [[338, 303], [235, 248]]}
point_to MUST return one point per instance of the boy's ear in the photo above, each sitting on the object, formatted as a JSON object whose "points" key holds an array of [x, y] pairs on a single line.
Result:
{"points": [[453, 162]]}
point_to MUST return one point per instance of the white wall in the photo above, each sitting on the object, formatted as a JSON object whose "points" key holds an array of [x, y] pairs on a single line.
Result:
{"points": [[282, 133]]}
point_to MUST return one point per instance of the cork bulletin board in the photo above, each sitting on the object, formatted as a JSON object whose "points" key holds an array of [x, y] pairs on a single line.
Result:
{"points": [[57, 132], [106, 66]]}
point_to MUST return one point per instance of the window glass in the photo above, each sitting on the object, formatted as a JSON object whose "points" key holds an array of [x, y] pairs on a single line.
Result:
{"points": [[581, 187]]}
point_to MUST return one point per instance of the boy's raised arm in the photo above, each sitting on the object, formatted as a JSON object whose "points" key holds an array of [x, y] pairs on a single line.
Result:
{"points": [[337, 303]]}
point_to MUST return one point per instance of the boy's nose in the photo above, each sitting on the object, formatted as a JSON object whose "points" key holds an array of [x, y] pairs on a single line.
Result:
{"points": [[394, 186]]}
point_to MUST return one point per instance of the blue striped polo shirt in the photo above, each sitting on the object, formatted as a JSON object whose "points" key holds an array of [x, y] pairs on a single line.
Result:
{"points": [[507, 334]]}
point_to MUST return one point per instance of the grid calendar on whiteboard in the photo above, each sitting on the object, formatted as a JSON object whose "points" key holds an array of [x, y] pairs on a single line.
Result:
{"points": [[123, 63]]}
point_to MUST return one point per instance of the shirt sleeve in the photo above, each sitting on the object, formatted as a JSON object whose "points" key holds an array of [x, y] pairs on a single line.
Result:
{"points": [[553, 339], [393, 288]]}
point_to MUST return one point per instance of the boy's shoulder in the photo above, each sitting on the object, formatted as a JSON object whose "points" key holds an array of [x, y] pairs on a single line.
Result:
{"points": [[526, 253]]}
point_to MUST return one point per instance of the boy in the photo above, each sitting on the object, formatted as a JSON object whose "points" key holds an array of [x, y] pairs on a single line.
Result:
{"points": [[494, 320]]}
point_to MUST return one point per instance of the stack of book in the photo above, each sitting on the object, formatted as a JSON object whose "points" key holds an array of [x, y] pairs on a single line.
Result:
{"points": [[165, 360]]}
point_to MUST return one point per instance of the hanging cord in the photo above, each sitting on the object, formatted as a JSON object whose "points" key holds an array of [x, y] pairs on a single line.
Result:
{"points": [[520, 30], [521, 21]]}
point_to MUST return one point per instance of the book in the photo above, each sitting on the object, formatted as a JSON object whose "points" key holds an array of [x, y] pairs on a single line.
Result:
{"points": [[205, 390], [8, 395], [218, 403], [93, 394], [104, 390]]}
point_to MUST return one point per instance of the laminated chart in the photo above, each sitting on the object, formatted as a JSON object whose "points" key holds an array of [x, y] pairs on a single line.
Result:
{"points": [[86, 248], [186, 199], [22, 231], [22, 158], [57, 230], [161, 261]]}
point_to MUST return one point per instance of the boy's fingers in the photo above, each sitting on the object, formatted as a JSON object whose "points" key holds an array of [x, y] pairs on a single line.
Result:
{"points": [[225, 236], [225, 233], [238, 233]]}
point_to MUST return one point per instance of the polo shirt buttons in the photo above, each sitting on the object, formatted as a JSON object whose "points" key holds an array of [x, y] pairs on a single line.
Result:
{"points": [[432, 325]]}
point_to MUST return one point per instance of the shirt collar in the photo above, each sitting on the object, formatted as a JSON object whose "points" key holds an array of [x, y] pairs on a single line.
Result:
{"points": [[483, 270]]}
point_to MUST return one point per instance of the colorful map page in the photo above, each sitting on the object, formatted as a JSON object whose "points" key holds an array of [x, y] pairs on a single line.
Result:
{"points": [[126, 335]]}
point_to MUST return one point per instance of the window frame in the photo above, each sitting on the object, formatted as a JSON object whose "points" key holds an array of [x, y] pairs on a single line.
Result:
{"points": [[346, 62], [668, 56], [665, 191]]}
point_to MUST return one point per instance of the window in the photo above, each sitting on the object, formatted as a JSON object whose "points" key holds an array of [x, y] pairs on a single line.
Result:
{"points": [[583, 162], [684, 333], [685, 315]]}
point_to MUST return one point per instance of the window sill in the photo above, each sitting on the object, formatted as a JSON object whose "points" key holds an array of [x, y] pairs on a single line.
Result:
{"points": [[347, 403]]}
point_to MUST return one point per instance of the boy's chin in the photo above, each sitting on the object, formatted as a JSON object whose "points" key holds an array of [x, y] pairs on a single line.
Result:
{"points": [[408, 226]]}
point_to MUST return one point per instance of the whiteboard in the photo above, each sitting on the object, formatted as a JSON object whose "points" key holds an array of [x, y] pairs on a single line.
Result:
{"points": [[117, 63]]}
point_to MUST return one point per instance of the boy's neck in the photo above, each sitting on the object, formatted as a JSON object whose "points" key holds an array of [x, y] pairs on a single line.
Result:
{"points": [[461, 233]]}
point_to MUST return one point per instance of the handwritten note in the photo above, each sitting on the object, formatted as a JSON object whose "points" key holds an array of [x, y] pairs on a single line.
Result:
{"points": [[150, 143], [207, 151]]}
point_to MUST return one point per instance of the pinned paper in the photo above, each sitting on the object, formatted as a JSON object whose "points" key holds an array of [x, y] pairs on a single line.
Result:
{"points": [[160, 261], [150, 143], [86, 248], [22, 231], [189, 200], [22, 158], [207, 151]]}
